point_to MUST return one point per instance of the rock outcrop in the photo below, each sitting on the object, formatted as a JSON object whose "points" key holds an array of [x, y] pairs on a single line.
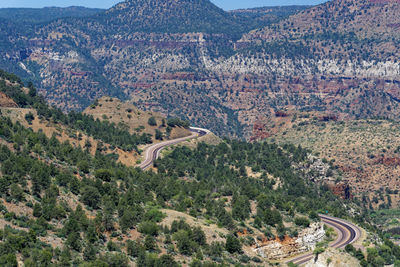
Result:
{"points": [[341, 189], [259, 132], [279, 249]]}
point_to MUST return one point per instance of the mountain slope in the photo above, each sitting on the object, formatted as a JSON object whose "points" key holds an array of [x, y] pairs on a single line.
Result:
{"points": [[70, 202], [363, 18], [364, 29], [178, 16]]}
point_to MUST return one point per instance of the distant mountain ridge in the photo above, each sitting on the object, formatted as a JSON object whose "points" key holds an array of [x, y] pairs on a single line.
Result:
{"points": [[180, 16], [46, 14], [169, 16]]}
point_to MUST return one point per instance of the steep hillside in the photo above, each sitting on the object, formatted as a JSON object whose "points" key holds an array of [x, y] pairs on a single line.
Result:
{"points": [[61, 204]]}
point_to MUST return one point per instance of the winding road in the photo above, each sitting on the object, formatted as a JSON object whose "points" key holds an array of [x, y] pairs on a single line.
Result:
{"points": [[348, 233], [153, 152]]}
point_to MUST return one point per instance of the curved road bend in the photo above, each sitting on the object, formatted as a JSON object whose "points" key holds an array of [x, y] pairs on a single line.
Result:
{"points": [[348, 233], [153, 152]]}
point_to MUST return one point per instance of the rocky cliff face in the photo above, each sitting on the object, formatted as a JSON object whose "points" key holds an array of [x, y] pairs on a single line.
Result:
{"points": [[279, 249], [259, 64]]}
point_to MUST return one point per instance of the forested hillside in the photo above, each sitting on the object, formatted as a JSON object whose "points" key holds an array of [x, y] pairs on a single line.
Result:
{"points": [[64, 205], [114, 214]]}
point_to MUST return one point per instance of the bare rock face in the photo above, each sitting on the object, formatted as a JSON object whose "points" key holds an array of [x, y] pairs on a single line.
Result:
{"points": [[279, 249], [334, 258]]}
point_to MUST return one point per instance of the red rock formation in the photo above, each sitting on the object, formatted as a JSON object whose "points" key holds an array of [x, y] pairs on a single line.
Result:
{"points": [[259, 132], [341, 189], [281, 114], [182, 76], [141, 85], [389, 161], [263, 240], [330, 117], [393, 25], [242, 232], [78, 73]]}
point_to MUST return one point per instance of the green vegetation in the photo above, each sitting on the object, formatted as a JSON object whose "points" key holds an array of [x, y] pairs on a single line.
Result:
{"points": [[176, 122], [126, 205], [302, 221], [256, 18], [152, 121], [388, 219], [233, 244], [158, 135]]}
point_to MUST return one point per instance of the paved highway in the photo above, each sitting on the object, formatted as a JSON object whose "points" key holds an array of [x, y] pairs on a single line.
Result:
{"points": [[153, 152], [348, 233]]}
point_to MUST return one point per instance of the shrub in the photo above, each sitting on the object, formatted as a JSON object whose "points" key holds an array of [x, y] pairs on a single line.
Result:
{"points": [[154, 215], [148, 228], [302, 221], [152, 121], [91, 196], [158, 135], [103, 174], [175, 122], [29, 117], [184, 244], [232, 244]]}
